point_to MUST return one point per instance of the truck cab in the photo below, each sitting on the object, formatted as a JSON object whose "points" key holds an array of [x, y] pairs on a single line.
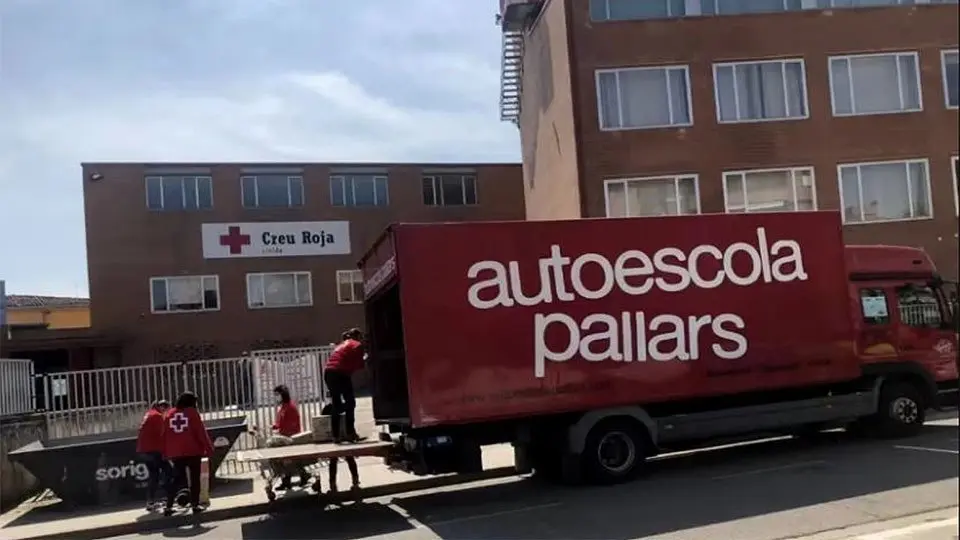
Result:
{"points": [[905, 314]]}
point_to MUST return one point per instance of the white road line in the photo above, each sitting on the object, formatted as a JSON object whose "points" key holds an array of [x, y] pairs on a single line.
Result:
{"points": [[414, 522], [927, 449], [905, 532], [495, 514], [769, 469]]}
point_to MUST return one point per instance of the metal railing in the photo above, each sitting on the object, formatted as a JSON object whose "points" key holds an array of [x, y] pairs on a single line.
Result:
{"points": [[90, 402]]}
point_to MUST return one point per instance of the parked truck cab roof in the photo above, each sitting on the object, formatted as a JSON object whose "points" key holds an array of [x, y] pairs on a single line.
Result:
{"points": [[888, 262]]}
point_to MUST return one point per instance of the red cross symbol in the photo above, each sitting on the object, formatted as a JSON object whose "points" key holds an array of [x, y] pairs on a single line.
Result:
{"points": [[234, 240], [179, 422]]}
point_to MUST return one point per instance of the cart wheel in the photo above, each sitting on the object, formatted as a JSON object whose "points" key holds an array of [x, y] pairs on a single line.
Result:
{"points": [[183, 498], [316, 487], [271, 496]]}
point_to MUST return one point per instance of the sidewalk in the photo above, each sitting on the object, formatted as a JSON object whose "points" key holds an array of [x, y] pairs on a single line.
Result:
{"points": [[45, 520]]}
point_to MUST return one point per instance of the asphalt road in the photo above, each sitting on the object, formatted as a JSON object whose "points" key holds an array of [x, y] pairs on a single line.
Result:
{"points": [[772, 490]]}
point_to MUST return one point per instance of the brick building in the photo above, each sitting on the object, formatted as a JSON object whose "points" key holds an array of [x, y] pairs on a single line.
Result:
{"points": [[190, 261], [645, 107]]}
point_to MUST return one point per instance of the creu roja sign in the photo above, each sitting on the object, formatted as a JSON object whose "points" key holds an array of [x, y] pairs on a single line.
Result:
{"points": [[309, 238]]}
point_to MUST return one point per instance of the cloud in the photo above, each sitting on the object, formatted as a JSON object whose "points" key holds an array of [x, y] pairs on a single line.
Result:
{"points": [[225, 80]]}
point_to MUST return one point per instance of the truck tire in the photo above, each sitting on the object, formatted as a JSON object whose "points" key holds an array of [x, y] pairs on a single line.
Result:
{"points": [[901, 411], [615, 452]]}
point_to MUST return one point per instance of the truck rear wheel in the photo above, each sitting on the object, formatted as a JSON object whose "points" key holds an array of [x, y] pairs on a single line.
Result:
{"points": [[901, 412], [615, 451]]}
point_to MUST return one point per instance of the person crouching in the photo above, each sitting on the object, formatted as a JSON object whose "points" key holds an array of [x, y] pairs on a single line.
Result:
{"points": [[185, 442], [287, 426]]}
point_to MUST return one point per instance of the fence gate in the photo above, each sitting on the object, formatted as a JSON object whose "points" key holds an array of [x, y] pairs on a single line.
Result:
{"points": [[16, 387], [90, 402]]}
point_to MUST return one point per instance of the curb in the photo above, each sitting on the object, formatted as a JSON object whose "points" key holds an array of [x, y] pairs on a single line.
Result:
{"points": [[280, 505]]}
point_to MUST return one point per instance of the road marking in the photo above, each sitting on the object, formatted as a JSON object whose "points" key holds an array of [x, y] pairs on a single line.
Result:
{"points": [[928, 449], [911, 529], [414, 522], [770, 469], [495, 514]]}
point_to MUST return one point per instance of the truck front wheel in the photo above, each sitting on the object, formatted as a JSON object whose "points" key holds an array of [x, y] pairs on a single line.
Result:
{"points": [[615, 451], [901, 411]]}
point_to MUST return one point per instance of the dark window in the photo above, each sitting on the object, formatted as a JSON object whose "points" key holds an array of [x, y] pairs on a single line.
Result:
{"points": [[173, 193], [449, 190], [741, 7], [627, 10], [359, 190], [919, 307], [184, 293], [873, 304], [272, 191]]}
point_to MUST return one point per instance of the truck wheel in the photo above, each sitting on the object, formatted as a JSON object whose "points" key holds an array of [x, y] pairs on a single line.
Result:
{"points": [[902, 410], [615, 452]]}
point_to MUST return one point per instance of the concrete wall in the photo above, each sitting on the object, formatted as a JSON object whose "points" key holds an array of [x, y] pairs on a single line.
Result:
{"points": [[16, 484]]}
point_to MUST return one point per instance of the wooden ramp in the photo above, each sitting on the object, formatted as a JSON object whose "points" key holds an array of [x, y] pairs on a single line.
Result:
{"points": [[315, 451]]}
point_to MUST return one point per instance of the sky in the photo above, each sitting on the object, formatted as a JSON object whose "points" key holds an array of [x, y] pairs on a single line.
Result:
{"points": [[226, 80]]}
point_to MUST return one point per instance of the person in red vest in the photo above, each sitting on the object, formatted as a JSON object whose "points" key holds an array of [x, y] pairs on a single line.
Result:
{"points": [[345, 360], [287, 425], [185, 443], [150, 448]]}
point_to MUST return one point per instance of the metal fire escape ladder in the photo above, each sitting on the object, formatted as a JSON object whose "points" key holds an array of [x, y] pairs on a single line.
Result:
{"points": [[511, 73]]}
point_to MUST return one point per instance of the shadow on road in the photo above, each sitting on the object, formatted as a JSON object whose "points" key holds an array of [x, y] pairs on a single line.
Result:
{"points": [[681, 492]]}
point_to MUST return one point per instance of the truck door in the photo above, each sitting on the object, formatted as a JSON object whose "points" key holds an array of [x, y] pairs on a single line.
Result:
{"points": [[878, 337], [925, 331]]}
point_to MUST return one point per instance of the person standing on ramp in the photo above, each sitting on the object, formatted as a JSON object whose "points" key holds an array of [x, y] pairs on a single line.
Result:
{"points": [[345, 360]]}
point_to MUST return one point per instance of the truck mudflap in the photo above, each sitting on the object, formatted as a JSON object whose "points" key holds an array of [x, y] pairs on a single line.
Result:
{"points": [[948, 395]]}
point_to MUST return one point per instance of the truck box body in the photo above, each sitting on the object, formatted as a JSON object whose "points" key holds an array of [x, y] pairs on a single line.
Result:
{"points": [[518, 319]]}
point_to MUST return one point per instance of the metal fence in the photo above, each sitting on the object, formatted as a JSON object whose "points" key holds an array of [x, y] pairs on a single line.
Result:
{"points": [[89, 402], [16, 387]]}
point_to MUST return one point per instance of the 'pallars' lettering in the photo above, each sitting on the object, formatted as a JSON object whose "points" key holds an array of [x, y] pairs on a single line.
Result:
{"points": [[307, 238], [633, 337]]}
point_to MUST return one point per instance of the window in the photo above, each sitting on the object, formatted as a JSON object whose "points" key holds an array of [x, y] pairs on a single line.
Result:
{"points": [[358, 190], [875, 84], [666, 196], [919, 307], [951, 77], [179, 192], [873, 302], [279, 289], [272, 191], [741, 7], [633, 10], [955, 166], [780, 190], [639, 98], [450, 190], [886, 191], [184, 293], [824, 4], [349, 286], [753, 91]]}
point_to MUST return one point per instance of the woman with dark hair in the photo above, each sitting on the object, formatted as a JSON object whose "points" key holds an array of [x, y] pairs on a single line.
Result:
{"points": [[186, 442], [150, 448], [287, 425]]}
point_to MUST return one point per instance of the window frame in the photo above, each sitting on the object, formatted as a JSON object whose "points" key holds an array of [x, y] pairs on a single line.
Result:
{"points": [[183, 193], [736, 92], [606, 5], [943, 76], [955, 180], [793, 172], [716, 9], [864, 320], [353, 282], [853, 100], [256, 191], [201, 277], [617, 71], [437, 188], [342, 178], [262, 275], [676, 191], [905, 163]]}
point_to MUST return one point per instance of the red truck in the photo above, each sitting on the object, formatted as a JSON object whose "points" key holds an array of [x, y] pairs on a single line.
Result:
{"points": [[593, 344]]}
